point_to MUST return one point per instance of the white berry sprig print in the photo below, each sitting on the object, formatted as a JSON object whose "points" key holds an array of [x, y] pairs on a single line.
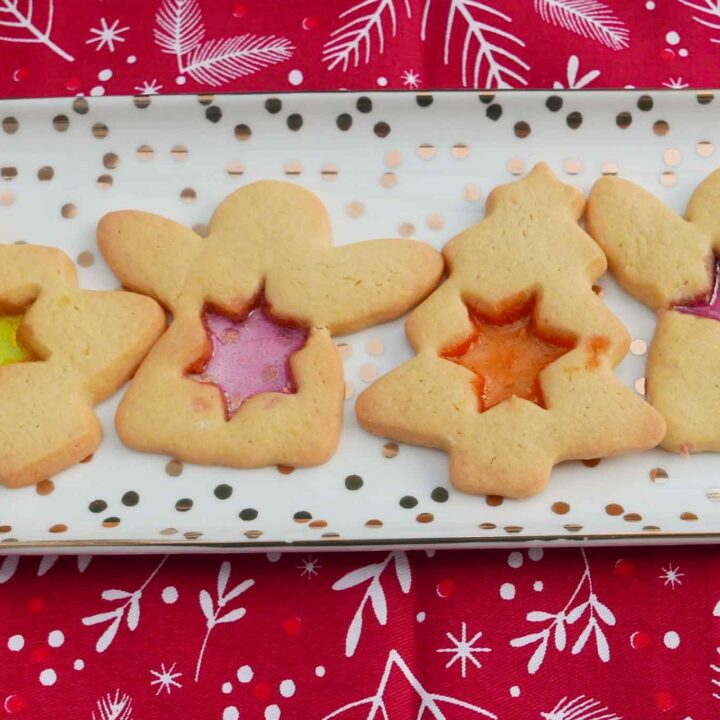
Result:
{"points": [[374, 594], [556, 624], [128, 611], [212, 609]]}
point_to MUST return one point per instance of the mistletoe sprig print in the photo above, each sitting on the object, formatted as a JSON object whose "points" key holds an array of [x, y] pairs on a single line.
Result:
{"points": [[213, 609], [557, 624]]}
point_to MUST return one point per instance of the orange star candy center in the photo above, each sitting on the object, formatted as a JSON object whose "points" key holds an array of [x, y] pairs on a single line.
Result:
{"points": [[507, 353]]}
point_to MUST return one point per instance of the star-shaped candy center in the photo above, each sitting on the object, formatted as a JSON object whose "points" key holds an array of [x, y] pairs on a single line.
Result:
{"points": [[507, 355], [11, 349], [707, 306], [248, 356]]}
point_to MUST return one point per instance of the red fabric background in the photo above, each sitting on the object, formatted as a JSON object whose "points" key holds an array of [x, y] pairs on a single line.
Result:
{"points": [[654, 650]]}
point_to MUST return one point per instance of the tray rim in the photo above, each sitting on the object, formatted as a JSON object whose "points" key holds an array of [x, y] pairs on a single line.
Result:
{"points": [[152, 546]]}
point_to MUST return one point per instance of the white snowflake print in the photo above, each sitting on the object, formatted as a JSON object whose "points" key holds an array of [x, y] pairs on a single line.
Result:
{"points": [[557, 624], [113, 707], [411, 79], [26, 25], [463, 649], [107, 35], [180, 31], [149, 88], [580, 708], [166, 678], [485, 62], [671, 575], [309, 567], [374, 594], [676, 84], [573, 82], [427, 700]]}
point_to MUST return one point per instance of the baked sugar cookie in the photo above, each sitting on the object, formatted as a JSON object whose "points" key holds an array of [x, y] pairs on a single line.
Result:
{"points": [[670, 264], [248, 374], [515, 352], [62, 351]]}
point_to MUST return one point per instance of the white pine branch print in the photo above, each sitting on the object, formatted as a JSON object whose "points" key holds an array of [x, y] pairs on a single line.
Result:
{"points": [[180, 31], [213, 613], [590, 18], [352, 41], [482, 53], [711, 13], [117, 707], [580, 708], [179, 28], [20, 16], [374, 594]]}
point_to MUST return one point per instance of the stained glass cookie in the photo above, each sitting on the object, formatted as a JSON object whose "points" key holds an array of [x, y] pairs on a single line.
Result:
{"points": [[248, 374], [62, 351], [515, 353], [671, 265]]}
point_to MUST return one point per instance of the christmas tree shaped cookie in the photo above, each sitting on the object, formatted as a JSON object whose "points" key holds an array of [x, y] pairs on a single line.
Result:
{"points": [[670, 265], [248, 374], [515, 352], [62, 351]]}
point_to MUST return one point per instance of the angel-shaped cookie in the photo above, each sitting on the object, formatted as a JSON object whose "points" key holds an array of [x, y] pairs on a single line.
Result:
{"points": [[248, 374], [515, 352], [669, 264], [62, 351]]}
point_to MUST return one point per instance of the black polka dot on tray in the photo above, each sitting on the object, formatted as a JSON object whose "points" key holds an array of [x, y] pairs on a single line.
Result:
{"points": [[408, 501], [97, 506], [248, 514], [440, 494], [494, 111], [554, 103], [130, 498], [353, 482], [273, 105], [364, 104], [223, 492]]}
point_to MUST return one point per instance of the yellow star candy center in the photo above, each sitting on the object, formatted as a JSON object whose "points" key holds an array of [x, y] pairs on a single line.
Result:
{"points": [[11, 349]]}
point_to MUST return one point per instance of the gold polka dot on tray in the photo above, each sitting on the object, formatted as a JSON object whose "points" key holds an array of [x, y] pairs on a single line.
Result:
{"points": [[7, 197], [516, 166], [406, 229], [69, 210], [672, 157], [344, 350], [572, 166], [45, 173], [614, 509], [145, 153], [390, 450], [58, 528], [591, 462], [688, 516], [375, 346], [609, 168], [460, 151], [10, 125], [61, 123], [388, 180], [100, 130], [632, 517], [426, 151], [45, 487], [111, 160], [174, 468], [235, 167], [435, 221], [560, 508], [329, 172], [368, 372], [638, 347], [661, 127], [623, 120], [8, 172], [349, 390], [659, 476], [471, 192], [80, 106], [494, 500], [292, 167], [188, 195], [668, 178], [141, 102], [704, 148], [355, 209], [85, 259], [104, 182], [179, 152], [242, 132], [640, 386], [393, 158], [521, 129], [598, 290], [285, 469], [201, 229]]}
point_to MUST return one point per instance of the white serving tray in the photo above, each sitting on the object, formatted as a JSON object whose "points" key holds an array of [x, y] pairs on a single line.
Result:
{"points": [[427, 177]]}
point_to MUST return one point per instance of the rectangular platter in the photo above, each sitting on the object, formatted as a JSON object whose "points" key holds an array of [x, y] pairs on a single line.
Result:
{"points": [[384, 164]]}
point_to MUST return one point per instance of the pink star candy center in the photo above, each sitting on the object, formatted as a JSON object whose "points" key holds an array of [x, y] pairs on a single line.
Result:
{"points": [[248, 356]]}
